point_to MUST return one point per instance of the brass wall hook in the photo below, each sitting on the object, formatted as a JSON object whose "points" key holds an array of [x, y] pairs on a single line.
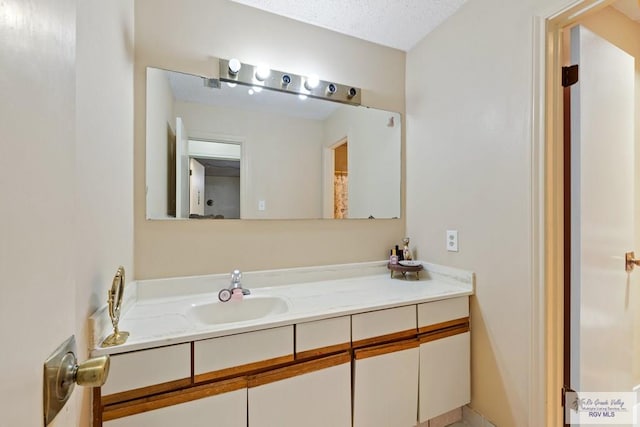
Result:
{"points": [[115, 295]]}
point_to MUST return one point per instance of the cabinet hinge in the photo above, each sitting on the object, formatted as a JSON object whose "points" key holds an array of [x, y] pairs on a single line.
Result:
{"points": [[565, 389], [569, 75]]}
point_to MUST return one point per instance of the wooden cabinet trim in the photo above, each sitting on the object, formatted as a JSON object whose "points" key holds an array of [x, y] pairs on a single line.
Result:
{"points": [[456, 330], [145, 391], [299, 369], [385, 349], [96, 408], [443, 325], [323, 351], [383, 339], [248, 369], [151, 403]]}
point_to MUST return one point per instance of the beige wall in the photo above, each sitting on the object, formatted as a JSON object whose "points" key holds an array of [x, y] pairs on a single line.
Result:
{"points": [[469, 158], [160, 119], [372, 152], [282, 152], [185, 36]]}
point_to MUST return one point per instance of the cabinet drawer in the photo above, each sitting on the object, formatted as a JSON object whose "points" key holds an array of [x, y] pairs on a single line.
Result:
{"points": [[381, 323], [148, 367], [438, 312], [239, 352], [323, 336]]}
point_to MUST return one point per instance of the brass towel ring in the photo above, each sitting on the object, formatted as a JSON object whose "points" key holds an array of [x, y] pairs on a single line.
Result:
{"points": [[115, 295]]}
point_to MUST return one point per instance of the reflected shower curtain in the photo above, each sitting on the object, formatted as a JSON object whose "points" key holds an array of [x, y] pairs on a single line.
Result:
{"points": [[341, 195]]}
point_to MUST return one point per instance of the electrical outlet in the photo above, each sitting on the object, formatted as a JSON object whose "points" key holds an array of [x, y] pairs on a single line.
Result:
{"points": [[452, 240], [262, 205]]}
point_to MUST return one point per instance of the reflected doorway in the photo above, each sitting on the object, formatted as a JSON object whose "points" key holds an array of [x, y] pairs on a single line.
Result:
{"points": [[216, 190], [341, 180]]}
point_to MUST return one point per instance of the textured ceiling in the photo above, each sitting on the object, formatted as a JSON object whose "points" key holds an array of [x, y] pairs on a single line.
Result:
{"points": [[395, 23]]}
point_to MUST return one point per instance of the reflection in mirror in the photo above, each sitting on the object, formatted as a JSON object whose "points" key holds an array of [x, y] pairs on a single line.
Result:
{"points": [[235, 152]]}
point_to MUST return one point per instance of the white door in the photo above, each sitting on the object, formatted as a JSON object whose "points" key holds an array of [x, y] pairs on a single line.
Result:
{"points": [[37, 181], [196, 187], [182, 170], [602, 203]]}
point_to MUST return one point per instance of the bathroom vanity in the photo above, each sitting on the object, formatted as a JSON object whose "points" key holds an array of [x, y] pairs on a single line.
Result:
{"points": [[338, 345]]}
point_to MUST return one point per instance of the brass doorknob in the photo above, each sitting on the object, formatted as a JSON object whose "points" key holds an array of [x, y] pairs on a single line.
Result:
{"points": [[93, 372], [62, 372]]}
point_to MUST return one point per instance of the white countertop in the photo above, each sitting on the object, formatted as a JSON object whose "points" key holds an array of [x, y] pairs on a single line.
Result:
{"points": [[156, 319]]}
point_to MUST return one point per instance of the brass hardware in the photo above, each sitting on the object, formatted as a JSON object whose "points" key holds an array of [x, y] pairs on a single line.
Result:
{"points": [[630, 261], [62, 372], [93, 372], [115, 295]]}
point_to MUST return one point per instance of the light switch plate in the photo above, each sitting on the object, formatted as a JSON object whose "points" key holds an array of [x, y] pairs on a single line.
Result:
{"points": [[452, 240], [262, 205]]}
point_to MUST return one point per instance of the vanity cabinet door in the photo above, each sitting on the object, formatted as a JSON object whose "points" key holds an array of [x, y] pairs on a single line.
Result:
{"points": [[385, 381], [445, 375], [310, 394], [221, 410]]}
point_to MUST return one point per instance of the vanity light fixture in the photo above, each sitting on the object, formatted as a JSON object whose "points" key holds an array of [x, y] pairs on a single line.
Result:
{"points": [[259, 77]]}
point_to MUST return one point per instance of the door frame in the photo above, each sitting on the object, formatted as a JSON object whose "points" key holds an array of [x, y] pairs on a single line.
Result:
{"points": [[547, 358], [328, 161]]}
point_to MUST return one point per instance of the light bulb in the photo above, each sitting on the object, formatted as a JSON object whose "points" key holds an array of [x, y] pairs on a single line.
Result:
{"points": [[257, 89], [232, 84], [250, 91], [302, 96], [311, 82], [234, 66], [262, 72]]}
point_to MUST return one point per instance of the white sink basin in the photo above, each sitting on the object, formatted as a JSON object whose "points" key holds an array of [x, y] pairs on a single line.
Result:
{"points": [[249, 308]]}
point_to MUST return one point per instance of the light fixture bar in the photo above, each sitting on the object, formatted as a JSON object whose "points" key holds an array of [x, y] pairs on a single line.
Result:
{"points": [[289, 82]]}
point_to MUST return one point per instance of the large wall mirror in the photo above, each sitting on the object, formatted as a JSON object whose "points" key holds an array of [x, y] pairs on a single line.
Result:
{"points": [[222, 152]]}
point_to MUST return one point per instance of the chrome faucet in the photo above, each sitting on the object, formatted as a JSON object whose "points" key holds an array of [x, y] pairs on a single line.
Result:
{"points": [[236, 275], [225, 294]]}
